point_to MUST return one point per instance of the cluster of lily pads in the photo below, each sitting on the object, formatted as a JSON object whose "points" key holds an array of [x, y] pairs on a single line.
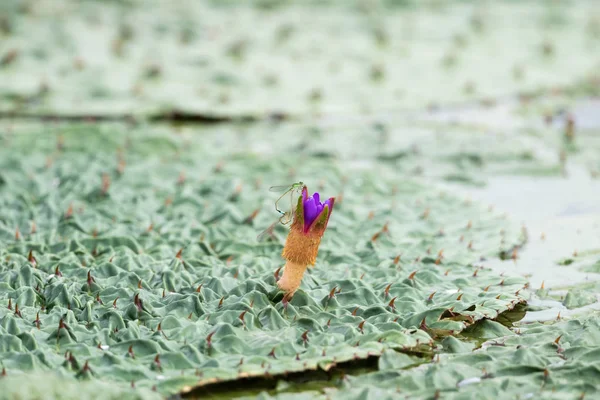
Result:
{"points": [[119, 266]]}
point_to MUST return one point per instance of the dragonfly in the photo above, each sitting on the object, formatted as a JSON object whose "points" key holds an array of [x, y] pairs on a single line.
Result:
{"points": [[286, 189], [285, 217]]}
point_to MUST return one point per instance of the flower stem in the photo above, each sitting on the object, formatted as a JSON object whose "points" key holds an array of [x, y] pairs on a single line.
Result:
{"points": [[292, 277]]}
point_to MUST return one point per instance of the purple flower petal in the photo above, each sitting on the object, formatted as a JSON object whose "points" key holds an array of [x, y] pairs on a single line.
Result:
{"points": [[310, 211], [317, 198]]}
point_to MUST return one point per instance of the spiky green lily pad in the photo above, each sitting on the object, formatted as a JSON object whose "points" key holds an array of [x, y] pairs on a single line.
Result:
{"points": [[206, 58], [143, 263]]}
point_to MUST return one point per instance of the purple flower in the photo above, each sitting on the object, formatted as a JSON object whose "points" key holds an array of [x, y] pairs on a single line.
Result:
{"points": [[313, 208]]}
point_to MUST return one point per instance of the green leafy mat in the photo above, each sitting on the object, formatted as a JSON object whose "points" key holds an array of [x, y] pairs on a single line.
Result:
{"points": [[143, 266], [253, 59], [550, 361]]}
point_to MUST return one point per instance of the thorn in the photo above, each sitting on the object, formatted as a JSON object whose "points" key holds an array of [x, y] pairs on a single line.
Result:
{"points": [[10, 304], [475, 273], [69, 212], [397, 259], [199, 288], [105, 183], [459, 297], [447, 272], [332, 292], [470, 245], [501, 282], [558, 316], [37, 321], [412, 275], [115, 302], [17, 312], [241, 316], [221, 302], [323, 353], [362, 276], [251, 303], [486, 288], [354, 312], [272, 353], [391, 303], [140, 284], [252, 216], [360, 326], [557, 340], [542, 286], [430, 298], [178, 255], [33, 228], [190, 316], [137, 301], [425, 214], [305, 337], [276, 274], [387, 290], [209, 338], [57, 271], [32, 259], [90, 278], [163, 293], [329, 322]]}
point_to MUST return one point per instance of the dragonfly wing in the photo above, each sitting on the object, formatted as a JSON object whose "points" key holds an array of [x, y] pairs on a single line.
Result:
{"points": [[280, 188], [267, 232]]}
